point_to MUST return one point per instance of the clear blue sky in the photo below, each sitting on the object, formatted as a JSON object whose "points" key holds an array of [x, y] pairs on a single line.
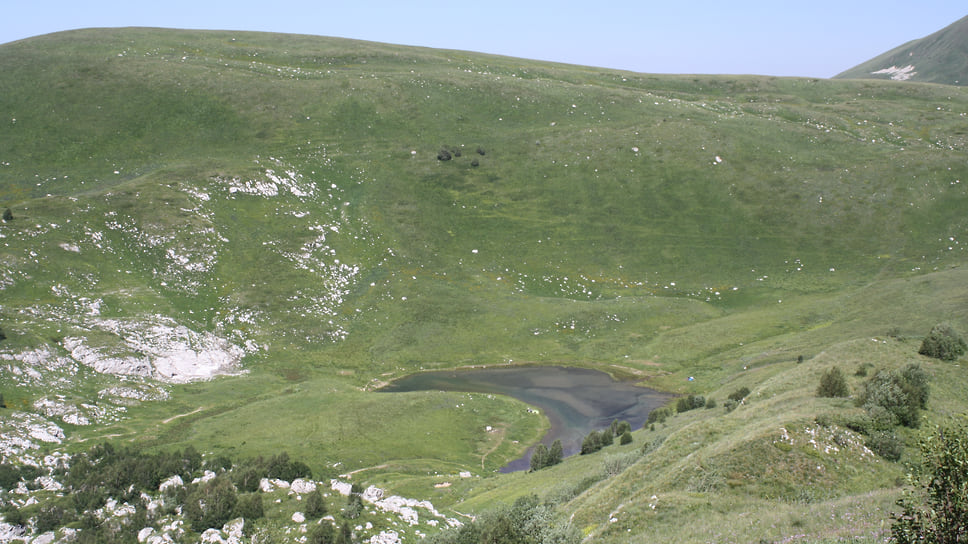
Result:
{"points": [[819, 38]]}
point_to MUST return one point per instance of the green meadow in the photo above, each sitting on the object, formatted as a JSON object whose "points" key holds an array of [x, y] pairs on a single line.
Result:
{"points": [[697, 234]]}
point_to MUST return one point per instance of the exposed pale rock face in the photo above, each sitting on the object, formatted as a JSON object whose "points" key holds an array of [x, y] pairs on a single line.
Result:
{"points": [[158, 348], [175, 482], [231, 533], [386, 537], [9, 533], [372, 494], [343, 488], [208, 475], [301, 487], [19, 434]]}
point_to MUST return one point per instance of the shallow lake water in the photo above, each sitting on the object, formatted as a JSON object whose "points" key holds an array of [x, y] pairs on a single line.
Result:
{"points": [[575, 400]]}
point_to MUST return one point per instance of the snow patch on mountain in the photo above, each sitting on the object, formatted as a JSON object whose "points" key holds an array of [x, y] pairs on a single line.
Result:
{"points": [[898, 74]]}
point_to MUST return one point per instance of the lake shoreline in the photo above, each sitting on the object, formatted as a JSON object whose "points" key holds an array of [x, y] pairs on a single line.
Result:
{"points": [[575, 400]]}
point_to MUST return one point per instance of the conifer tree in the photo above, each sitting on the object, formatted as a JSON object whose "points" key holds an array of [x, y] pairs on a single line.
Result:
{"points": [[539, 458], [555, 454]]}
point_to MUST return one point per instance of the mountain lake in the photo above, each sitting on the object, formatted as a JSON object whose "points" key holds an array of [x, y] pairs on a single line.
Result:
{"points": [[575, 400]]}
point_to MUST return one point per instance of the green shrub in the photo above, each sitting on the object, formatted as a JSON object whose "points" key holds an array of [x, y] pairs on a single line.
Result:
{"points": [[354, 506], [886, 444], [739, 394], [249, 506], [937, 507], [615, 464], [897, 396], [526, 521], [9, 476], [626, 438], [833, 384], [825, 420], [860, 423], [50, 517], [315, 506], [591, 443], [13, 515], [659, 415], [649, 447], [211, 504], [323, 533], [539, 457], [555, 454], [943, 342], [691, 402]]}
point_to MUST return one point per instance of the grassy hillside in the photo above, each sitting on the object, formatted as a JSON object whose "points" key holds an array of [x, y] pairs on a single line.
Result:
{"points": [[938, 58], [275, 206]]}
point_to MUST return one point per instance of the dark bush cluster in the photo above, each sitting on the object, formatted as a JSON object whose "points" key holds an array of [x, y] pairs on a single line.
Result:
{"points": [[10, 476], [544, 457], [247, 475], [596, 440], [736, 398], [943, 342], [886, 444], [890, 398], [833, 384], [690, 402], [447, 153], [659, 415], [211, 504], [896, 397]]}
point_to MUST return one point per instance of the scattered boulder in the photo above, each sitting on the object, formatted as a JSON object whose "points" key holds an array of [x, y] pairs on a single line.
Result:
{"points": [[302, 487]]}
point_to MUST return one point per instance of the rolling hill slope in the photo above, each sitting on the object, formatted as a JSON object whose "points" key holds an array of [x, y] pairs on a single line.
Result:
{"points": [[941, 57], [306, 218]]}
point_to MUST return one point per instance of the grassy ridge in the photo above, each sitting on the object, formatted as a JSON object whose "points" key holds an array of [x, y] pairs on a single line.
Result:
{"points": [[284, 192]]}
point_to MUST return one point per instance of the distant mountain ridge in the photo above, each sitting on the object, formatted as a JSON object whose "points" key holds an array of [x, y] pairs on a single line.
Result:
{"points": [[941, 57]]}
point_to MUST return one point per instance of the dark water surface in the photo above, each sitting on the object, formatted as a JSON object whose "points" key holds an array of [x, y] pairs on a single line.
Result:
{"points": [[575, 400]]}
